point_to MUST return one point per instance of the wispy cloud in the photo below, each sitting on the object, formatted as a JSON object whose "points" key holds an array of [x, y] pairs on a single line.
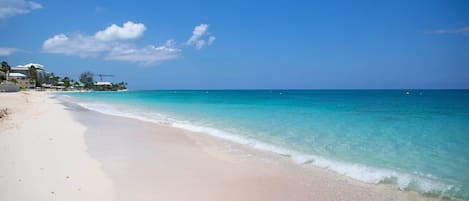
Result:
{"points": [[10, 8], [211, 39], [197, 38], [197, 33], [7, 51], [147, 56], [463, 30], [116, 43], [99, 9]]}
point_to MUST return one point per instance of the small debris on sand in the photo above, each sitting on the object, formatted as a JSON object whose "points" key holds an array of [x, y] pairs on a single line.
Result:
{"points": [[3, 112]]}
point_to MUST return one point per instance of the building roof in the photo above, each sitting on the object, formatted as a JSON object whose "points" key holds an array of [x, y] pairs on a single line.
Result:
{"points": [[16, 75], [102, 83], [19, 68], [26, 66]]}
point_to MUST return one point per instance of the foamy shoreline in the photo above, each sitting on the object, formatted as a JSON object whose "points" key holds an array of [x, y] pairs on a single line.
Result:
{"points": [[153, 162]]}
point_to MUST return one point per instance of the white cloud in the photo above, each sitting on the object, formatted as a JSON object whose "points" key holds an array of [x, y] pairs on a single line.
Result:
{"points": [[129, 30], [7, 51], [114, 43], [78, 44], [463, 30], [147, 55], [10, 8], [91, 46], [197, 38]]}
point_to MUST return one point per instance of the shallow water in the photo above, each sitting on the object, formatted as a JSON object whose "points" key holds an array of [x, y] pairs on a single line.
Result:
{"points": [[416, 139]]}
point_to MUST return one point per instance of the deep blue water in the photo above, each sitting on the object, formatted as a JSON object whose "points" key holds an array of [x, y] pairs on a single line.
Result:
{"points": [[417, 139]]}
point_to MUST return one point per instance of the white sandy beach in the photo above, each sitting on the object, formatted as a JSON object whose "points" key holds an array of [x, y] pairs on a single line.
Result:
{"points": [[43, 153], [49, 151]]}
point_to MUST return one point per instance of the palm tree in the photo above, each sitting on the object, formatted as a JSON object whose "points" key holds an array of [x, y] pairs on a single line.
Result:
{"points": [[66, 82], [33, 74], [5, 68], [55, 79]]}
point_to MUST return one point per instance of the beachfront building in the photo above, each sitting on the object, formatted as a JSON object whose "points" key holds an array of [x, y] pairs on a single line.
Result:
{"points": [[21, 80], [41, 74], [102, 86], [107, 84]]}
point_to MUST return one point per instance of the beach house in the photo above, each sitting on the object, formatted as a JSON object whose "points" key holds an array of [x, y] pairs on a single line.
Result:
{"points": [[41, 74], [103, 84], [21, 80]]}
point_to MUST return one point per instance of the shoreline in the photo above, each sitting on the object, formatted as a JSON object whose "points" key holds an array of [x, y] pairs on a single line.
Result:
{"points": [[224, 149], [145, 160]]}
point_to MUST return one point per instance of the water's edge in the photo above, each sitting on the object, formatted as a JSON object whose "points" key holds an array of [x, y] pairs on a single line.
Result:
{"points": [[363, 173]]}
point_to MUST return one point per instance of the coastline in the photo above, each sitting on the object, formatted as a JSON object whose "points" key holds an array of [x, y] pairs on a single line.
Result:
{"points": [[136, 160]]}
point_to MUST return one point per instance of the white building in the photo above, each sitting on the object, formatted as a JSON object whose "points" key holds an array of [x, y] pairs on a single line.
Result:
{"points": [[20, 79], [42, 75], [103, 84]]}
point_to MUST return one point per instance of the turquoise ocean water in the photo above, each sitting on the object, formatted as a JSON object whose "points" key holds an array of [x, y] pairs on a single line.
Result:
{"points": [[417, 140]]}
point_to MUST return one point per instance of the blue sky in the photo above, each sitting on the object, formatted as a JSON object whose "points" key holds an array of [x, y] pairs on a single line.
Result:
{"points": [[241, 44]]}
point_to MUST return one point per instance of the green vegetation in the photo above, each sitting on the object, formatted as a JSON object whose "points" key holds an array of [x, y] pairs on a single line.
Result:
{"points": [[33, 76], [52, 79], [67, 82], [4, 68], [87, 79]]}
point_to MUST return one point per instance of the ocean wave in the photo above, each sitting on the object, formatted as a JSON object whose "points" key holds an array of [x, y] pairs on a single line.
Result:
{"points": [[373, 175]]}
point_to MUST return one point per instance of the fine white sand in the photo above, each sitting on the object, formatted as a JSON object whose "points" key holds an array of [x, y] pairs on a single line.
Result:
{"points": [[52, 152], [43, 153]]}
